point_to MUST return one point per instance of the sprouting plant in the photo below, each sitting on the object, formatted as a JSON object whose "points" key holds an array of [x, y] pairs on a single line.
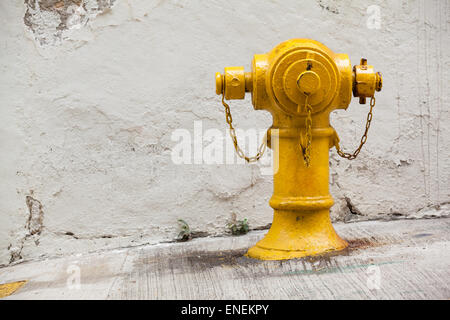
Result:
{"points": [[237, 227], [185, 232]]}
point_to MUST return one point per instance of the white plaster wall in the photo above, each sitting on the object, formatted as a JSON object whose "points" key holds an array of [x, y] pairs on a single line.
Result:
{"points": [[89, 100]]}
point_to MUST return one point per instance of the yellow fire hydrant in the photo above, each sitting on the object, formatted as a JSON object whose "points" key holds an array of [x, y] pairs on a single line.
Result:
{"points": [[300, 82]]}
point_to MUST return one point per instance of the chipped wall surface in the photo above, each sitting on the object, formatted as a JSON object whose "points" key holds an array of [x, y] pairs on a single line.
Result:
{"points": [[51, 20], [92, 90]]}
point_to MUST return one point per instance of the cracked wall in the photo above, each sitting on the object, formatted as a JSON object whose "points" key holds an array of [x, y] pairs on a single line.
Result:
{"points": [[31, 231], [51, 20], [92, 90]]}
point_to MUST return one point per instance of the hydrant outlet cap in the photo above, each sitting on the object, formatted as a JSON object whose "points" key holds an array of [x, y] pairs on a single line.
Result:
{"points": [[379, 82], [219, 83]]}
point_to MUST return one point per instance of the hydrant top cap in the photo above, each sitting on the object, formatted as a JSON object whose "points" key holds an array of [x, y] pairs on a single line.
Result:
{"points": [[308, 82], [301, 68]]}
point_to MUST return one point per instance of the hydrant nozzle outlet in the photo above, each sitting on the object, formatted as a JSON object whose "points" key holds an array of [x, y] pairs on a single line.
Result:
{"points": [[365, 81], [234, 83]]}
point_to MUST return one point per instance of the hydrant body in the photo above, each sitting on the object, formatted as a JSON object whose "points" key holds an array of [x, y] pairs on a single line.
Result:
{"points": [[300, 82]]}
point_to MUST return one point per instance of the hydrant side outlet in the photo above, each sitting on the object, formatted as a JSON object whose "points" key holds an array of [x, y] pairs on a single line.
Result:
{"points": [[300, 82]]}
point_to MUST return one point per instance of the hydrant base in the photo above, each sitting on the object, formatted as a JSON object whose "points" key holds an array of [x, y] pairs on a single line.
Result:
{"points": [[259, 253], [297, 234]]}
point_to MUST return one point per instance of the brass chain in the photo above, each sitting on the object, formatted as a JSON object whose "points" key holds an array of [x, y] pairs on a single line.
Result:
{"points": [[240, 153], [306, 150], [351, 156]]}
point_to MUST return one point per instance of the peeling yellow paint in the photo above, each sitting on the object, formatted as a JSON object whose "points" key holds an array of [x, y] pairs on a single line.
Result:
{"points": [[7, 289]]}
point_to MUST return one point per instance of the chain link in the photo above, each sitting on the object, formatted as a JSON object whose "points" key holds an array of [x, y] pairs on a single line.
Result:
{"points": [[351, 156], [240, 153]]}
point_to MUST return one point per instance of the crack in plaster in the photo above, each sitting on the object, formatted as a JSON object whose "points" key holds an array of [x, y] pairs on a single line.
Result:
{"points": [[34, 226], [330, 7], [351, 207]]}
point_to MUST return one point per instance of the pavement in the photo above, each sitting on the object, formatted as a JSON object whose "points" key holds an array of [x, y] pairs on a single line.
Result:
{"points": [[402, 259]]}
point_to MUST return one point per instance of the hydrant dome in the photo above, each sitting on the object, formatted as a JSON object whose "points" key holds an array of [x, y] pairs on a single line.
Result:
{"points": [[301, 68]]}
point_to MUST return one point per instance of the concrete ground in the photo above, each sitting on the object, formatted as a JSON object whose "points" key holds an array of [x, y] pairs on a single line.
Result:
{"points": [[403, 259]]}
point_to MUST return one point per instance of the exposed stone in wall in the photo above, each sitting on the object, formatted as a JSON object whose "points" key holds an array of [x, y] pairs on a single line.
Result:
{"points": [[49, 20], [32, 230], [35, 221]]}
